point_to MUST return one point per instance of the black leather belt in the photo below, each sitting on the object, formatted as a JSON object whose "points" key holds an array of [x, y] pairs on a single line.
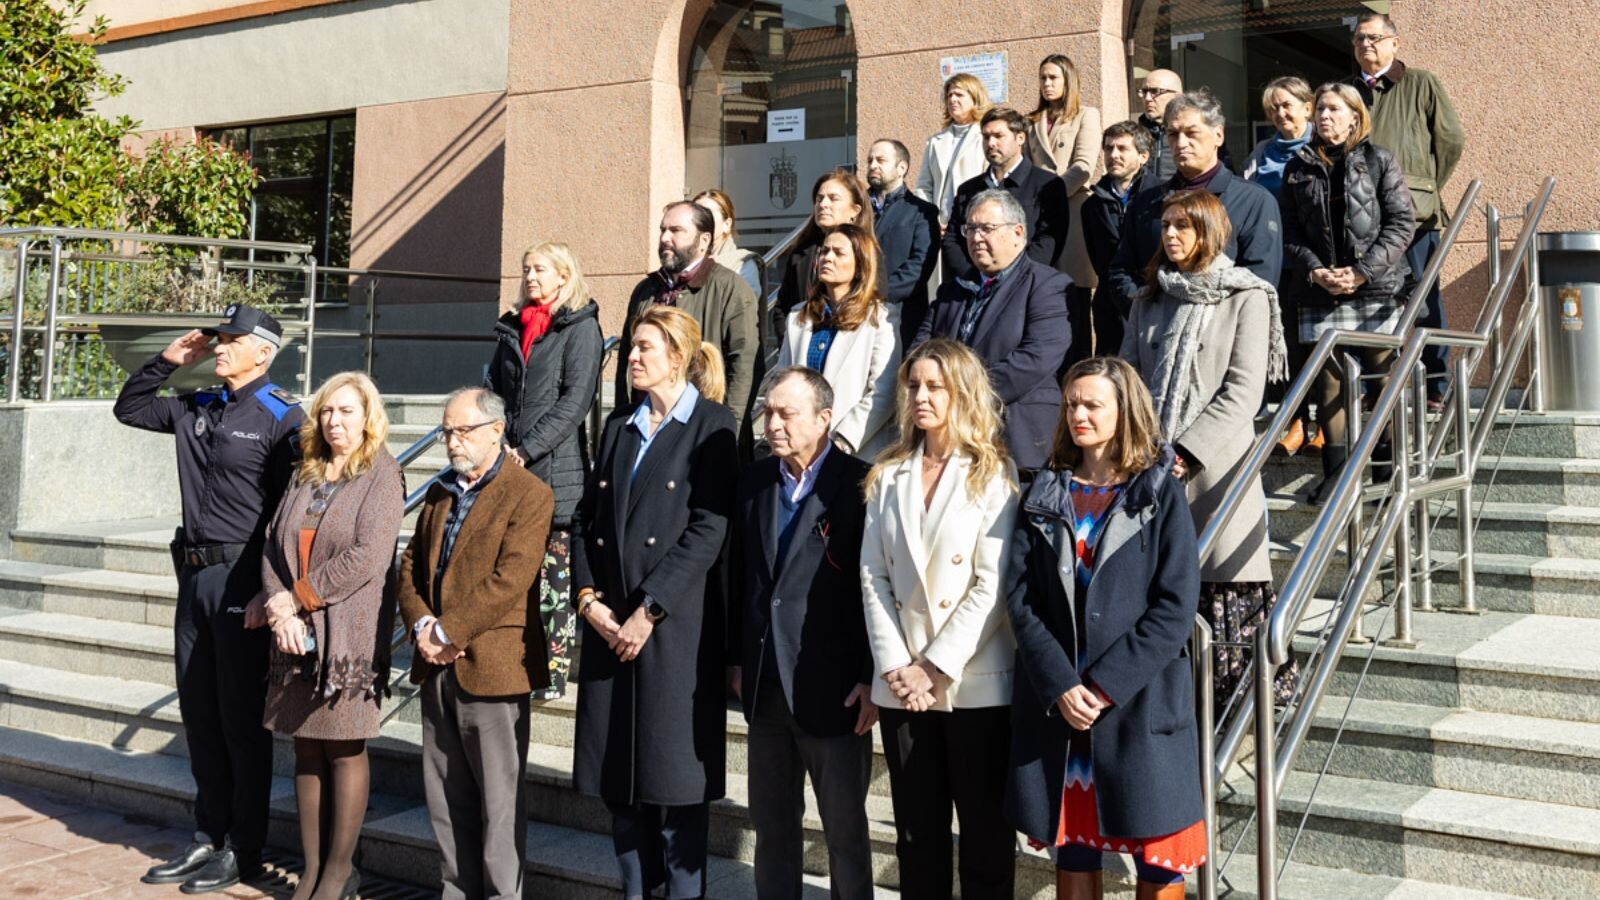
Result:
{"points": [[202, 555]]}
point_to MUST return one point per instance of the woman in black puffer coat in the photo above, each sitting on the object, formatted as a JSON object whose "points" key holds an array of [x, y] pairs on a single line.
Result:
{"points": [[1347, 220], [545, 367]]}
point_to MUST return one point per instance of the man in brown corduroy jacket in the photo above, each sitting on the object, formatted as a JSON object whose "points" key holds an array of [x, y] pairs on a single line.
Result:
{"points": [[467, 592]]}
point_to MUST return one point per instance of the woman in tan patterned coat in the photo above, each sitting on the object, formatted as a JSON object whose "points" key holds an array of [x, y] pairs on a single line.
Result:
{"points": [[325, 569]]}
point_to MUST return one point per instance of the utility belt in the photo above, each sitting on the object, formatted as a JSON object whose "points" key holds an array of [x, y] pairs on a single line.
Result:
{"points": [[200, 556]]}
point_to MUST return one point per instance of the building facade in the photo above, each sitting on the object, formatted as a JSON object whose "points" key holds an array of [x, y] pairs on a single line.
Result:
{"points": [[447, 135]]}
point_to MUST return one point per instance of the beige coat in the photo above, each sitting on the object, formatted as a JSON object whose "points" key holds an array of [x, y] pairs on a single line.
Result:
{"points": [[930, 583], [1233, 373], [947, 161], [1071, 150], [861, 368]]}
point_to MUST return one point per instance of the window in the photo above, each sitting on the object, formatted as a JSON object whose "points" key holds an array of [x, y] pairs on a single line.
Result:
{"points": [[306, 170], [771, 106], [1235, 48]]}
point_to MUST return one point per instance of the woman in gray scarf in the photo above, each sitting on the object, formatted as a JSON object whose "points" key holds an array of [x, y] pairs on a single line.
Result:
{"points": [[1207, 336]]}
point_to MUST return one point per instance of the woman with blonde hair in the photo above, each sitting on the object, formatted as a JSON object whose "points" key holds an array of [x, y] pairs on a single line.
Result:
{"points": [[940, 504], [725, 250], [1102, 586], [847, 332], [1064, 137], [651, 717], [1348, 217], [545, 366], [954, 154], [1206, 337], [328, 554]]}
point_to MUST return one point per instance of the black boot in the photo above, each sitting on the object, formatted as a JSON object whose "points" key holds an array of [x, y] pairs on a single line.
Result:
{"points": [[180, 867], [1333, 460]]}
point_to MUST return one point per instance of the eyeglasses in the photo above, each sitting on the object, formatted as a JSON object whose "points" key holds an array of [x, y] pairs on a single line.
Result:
{"points": [[983, 228], [461, 431], [1362, 40], [1152, 93], [322, 495]]}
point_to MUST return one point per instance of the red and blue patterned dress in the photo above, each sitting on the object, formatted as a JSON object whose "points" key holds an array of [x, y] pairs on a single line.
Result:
{"points": [[1183, 851]]}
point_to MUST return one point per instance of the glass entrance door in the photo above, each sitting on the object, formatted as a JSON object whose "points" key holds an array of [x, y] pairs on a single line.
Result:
{"points": [[771, 105]]}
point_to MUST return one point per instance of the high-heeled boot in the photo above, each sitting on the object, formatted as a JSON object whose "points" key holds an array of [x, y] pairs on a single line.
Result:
{"points": [[1080, 885], [1333, 460], [1294, 437], [1145, 890]]}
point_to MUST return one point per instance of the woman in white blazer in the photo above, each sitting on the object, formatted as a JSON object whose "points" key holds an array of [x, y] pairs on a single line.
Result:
{"points": [[940, 505], [955, 153], [845, 331]]}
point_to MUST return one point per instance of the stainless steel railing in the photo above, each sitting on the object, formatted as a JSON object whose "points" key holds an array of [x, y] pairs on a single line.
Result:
{"points": [[1419, 459]]}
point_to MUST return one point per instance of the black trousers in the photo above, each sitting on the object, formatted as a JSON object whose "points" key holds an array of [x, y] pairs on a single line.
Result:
{"points": [[781, 756], [222, 688], [937, 760], [1109, 323], [1080, 318], [1436, 360], [658, 845]]}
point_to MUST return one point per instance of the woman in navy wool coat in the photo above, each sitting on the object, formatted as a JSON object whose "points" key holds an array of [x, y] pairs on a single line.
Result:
{"points": [[1103, 583]]}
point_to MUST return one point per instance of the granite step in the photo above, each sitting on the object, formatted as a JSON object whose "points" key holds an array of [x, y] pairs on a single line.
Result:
{"points": [[1517, 479], [1495, 662], [1524, 529], [1547, 760], [396, 840], [1521, 847]]}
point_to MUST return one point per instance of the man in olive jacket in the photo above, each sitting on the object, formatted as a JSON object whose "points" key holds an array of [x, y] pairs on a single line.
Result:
{"points": [[715, 295], [1413, 118], [466, 591]]}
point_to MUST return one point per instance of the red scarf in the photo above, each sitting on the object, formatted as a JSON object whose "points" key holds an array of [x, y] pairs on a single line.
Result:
{"points": [[535, 322]]}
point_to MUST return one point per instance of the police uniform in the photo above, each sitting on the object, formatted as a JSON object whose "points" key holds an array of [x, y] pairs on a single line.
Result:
{"points": [[236, 453]]}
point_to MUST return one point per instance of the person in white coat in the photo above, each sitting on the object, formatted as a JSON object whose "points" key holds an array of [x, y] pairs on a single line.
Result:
{"points": [[940, 505], [954, 154], [847, 332]]}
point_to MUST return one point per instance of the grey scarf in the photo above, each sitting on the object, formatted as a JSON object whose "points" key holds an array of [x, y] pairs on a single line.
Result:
{"points": [[1175, 385]]}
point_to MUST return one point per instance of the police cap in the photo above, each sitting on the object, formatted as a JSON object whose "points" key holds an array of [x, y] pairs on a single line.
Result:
{"points": [[244, 319]]}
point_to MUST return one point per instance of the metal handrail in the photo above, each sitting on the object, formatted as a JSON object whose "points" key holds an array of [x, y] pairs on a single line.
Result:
{"points": [[182, 240], [1277, 747]]}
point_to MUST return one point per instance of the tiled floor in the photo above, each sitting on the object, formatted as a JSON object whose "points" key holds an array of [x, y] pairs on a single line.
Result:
{"points": [[54, 850]]}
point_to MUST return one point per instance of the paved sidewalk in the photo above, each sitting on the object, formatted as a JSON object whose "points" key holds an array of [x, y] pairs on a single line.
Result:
{"points": [[52, 849]]}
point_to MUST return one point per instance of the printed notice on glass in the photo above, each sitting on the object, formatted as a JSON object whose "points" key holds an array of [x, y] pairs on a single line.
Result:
{"points": [[988, 68], [786, 125]]}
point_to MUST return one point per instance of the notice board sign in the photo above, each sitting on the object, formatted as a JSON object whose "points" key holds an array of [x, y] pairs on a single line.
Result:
{"points": [[786, 125], [988, 68]]}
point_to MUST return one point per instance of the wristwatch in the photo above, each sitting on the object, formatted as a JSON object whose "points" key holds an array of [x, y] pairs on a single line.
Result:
{"points": [[654, 611]]}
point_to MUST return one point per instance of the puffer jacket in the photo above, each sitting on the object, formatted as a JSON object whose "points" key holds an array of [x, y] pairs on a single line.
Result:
{"points": [[1379, 219], [548, 397]]}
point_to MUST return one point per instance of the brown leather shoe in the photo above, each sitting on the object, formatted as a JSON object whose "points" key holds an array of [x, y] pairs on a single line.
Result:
{"points": [[1317, 441], [1293, 438], [1080, 885]]}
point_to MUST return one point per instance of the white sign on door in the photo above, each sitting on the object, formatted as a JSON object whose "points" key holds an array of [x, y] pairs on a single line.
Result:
{"points": [[786, 125]]}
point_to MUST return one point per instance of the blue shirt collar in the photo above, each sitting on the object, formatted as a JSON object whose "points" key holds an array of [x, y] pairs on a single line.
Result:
{"points": [[640, 420]]}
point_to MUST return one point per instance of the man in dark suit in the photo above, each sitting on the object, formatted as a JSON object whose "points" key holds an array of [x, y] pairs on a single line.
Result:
{"points": [[1194, 131], [907, 228], [1126, 148], [1012, 311], [1040, 192], [803, 667]]}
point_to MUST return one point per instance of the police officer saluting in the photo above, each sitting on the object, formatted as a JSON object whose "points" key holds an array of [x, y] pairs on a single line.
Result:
{"points": [[237, 444]]}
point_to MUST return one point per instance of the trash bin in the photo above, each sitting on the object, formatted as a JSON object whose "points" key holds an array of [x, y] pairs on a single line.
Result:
{"points": [[1569, 288]]}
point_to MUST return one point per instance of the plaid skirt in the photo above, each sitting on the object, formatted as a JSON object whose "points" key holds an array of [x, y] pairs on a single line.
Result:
{"points": [[1354, 315]]}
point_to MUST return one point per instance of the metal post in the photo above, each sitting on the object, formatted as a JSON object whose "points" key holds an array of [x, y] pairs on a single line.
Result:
{"points": [[1425, 469], [372, 321], [1491, 236], [1536, 366], [1401, 434], [311, 322], [1204, 705], [18, 310], [1467, 577], [1266, 774], [1353, 428], [47, 367]]}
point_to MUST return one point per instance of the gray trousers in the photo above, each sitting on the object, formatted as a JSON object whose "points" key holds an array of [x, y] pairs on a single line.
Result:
{"points": [[781, 755], [473, 752]]}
